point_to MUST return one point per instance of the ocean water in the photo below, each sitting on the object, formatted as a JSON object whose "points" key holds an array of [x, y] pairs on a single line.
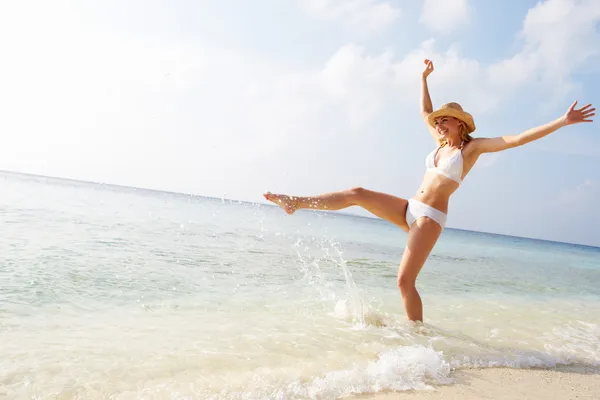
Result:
{"points": [[118, 293]]}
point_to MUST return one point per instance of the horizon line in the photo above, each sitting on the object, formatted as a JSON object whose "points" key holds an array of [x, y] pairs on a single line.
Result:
{"points": [[374, 218]]}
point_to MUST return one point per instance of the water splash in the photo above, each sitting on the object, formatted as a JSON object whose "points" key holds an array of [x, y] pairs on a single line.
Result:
{"points": [[350, 302]]}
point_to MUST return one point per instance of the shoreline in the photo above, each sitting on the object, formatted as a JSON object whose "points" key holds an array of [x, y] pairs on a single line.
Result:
{"points": [[560, 383]]}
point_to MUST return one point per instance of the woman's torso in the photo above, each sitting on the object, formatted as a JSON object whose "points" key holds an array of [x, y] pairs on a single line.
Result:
{"points": [[445, 169]]}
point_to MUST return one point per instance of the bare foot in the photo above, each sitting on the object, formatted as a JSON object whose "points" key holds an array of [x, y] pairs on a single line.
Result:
{"points": [[286, 202]]}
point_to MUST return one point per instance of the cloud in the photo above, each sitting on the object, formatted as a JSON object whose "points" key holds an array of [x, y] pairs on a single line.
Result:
{"points": [[559, 36], [365, 15], [445, 16], [101, 105], [559, 39], [353, 88]]}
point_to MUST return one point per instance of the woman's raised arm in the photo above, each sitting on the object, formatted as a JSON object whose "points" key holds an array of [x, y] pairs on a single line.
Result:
{"points": [[426, 105], [572, 116]]}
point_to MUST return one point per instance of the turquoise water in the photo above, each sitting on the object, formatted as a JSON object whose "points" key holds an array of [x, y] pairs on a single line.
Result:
{"points": [[111, 292]]}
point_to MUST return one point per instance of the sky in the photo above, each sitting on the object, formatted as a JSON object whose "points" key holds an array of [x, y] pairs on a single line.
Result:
{"points": [[232, 98]]}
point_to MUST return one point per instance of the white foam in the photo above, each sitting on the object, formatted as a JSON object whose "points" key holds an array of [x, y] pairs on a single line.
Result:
{"points": [[575, 343], [400, 369], [405, 368]]}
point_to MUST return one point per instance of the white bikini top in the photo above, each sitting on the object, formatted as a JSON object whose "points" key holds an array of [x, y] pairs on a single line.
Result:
{"points": [[451, 167]]}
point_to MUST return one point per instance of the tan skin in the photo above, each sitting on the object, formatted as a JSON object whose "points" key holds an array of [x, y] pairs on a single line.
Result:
{"points": [[435, 190]]}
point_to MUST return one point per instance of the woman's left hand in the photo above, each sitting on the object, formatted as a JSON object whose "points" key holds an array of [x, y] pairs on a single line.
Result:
{"points": [[584, 114]]}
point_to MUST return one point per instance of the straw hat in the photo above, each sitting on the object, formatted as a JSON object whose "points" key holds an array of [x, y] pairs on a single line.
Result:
{"points": [[452, 110]]}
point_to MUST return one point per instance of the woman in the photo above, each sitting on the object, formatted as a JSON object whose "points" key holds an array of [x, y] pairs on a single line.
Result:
{"points": [[424, 215]]}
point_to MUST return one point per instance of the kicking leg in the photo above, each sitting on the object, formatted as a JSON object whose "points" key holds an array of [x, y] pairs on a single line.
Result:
{"points": [[386, 206], [423, 235]]}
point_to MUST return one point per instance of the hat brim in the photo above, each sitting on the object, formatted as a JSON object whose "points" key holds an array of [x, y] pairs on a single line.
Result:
{"points": [[450, 112]]}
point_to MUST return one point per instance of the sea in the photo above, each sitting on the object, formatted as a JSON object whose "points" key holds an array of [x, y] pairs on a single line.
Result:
{"points": [[110, 292]]}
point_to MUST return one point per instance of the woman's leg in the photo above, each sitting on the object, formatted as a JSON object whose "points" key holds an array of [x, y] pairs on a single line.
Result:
{"points": [[423, 235], [386, 206]]}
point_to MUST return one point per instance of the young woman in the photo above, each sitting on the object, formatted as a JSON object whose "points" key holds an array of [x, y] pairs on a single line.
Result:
{"points": [[424, 215]]}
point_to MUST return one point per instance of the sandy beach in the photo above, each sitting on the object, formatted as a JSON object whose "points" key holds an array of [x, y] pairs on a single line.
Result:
{"points": [[506, 383]]}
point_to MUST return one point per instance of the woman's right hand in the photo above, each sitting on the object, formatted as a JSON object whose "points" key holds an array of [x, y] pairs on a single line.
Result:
{"points": [[428, 69]]}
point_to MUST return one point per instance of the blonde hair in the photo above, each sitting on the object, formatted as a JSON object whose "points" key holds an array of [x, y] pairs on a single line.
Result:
{"points": [[464, 134]]}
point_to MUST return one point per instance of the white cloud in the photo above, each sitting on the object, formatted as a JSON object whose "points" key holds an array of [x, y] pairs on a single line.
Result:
{"points": [[559, 36], [113, 107], [365, 15], [445, 16], [354, 88]]}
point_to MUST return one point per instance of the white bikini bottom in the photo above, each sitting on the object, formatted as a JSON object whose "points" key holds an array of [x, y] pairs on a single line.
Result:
{"points": [[417, 209]]}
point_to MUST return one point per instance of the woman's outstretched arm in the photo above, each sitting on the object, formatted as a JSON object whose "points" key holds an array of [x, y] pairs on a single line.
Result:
{"points": [[572, 116], [426, 105]]}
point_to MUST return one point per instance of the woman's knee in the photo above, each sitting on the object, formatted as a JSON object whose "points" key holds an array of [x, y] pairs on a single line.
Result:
{"points": [[357, 193], [406, 283]]}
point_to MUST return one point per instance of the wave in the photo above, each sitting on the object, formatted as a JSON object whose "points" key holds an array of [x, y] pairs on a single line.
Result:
{"points": [[416, 367]]}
